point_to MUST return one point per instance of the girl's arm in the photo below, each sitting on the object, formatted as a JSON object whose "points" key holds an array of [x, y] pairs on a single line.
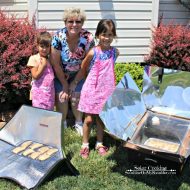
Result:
{"points": [[84, 66], [117, 53], [83, 71], [38, 70]]}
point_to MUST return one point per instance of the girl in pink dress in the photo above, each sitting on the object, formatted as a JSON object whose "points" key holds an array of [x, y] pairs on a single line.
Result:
{"points": [[99, 84], [43, 93]]}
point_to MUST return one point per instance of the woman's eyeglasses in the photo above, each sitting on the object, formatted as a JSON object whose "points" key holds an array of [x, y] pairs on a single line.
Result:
{"points": [[74, 21]]}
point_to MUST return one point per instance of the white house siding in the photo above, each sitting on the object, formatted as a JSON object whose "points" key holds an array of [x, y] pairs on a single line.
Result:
{"points": [[172, 10], [133, 20], [16, 7]]}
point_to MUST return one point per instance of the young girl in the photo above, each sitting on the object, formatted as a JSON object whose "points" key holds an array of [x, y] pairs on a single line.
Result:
{"points": [[99, 84], [43, 93]]}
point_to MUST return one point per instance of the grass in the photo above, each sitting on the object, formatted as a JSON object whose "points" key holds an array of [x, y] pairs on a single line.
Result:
{"points": [[103, 173], [176, 79]]}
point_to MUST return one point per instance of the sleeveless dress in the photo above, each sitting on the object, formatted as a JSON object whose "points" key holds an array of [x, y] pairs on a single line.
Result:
{"points": [[43, 92], [100, 82], [71, 61]]}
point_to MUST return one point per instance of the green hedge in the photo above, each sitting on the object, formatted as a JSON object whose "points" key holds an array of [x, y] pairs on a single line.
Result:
{"points": [[135, 70]]}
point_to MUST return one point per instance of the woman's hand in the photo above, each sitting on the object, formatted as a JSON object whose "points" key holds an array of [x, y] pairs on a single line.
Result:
{"points": [[72, 87], [64, 94]]}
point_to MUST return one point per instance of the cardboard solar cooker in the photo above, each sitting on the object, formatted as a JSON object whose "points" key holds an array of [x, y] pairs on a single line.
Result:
{"points": [[154, 124], [35, 132]]}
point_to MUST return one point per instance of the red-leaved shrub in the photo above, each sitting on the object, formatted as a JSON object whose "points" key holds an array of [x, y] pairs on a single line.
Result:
{"points": [[170, 47], [17, 43]]}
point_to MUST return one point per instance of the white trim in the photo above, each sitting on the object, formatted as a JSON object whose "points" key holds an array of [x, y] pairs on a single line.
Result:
{"points": [[155, 12], [33, 10]]}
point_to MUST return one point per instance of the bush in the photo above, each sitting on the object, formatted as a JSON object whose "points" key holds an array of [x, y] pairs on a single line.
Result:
{"points": [[16, 45], [170, 47], [135, 70]]}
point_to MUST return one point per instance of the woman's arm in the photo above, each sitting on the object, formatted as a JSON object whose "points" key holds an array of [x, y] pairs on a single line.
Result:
{"points": [[84, 66], [55, 59]]}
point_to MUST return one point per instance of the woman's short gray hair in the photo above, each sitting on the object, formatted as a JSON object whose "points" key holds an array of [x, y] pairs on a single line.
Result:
{"points": [[74, 12]]}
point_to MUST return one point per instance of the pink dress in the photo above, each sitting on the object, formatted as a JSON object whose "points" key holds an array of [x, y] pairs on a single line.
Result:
{"points": [[43, 92], [100, 82]]}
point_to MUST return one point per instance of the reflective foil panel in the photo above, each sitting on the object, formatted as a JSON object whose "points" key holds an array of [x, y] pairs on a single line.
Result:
{"points": [[30, 146], [124, 109], [168, 91]]}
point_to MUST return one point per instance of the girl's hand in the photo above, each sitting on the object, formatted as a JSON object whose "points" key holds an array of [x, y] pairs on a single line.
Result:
{"points": [[38, 70], [43, 61]]}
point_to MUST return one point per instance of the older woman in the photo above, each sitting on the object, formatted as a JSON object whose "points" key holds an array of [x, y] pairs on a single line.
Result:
{"points": [[69, 47]]}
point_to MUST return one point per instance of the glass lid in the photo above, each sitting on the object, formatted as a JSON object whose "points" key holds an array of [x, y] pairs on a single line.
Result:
{"points": [[163, 133]]}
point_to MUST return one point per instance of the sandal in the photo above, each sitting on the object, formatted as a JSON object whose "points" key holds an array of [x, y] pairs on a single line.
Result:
{"points": [[102, 150], [84, 152]]}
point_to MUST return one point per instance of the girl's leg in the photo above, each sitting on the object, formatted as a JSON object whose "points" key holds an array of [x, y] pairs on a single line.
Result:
{"points": [[87, 127], [100, 129], [102, 150], [84, 152]]}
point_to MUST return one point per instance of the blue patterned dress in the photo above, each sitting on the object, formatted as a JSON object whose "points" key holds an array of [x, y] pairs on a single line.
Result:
{"points": [[71, 61]]}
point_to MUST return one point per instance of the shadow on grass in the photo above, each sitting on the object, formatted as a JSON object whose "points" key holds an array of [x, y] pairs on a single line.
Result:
{"points": [[158, 181], [64, 168]]}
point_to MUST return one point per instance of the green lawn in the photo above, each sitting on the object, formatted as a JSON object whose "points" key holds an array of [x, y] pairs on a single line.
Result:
{"points": [[104, 173]]}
